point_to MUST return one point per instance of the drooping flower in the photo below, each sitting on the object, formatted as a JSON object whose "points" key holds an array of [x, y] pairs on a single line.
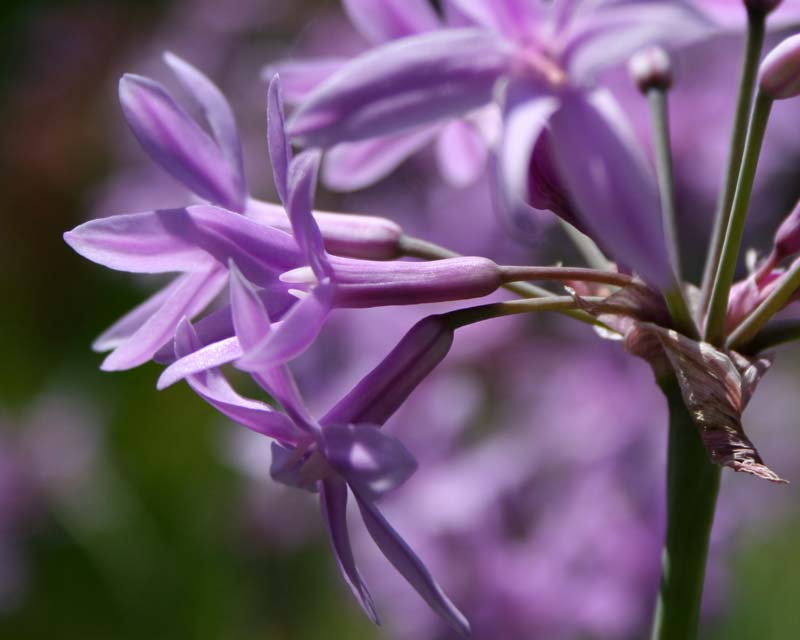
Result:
{"points": [[345, 450]]}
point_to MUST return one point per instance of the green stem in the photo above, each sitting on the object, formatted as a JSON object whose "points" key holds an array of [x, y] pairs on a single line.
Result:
{"points": [[692, 487], [659, 115], [586, 246], [752, 54], [715, 323], [778, 332], [773, 303]]}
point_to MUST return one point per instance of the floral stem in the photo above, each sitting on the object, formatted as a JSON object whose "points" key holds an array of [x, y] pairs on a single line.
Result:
{"points": [[747, 79], [718, 305], [774, 302], [659, 115], [418, 248], [586, 246], [692, 487], [471, 315], [565, 274]]}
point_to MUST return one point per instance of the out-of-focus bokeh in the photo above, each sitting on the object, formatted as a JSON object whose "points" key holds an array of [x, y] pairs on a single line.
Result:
{"points": [[129, 513]]}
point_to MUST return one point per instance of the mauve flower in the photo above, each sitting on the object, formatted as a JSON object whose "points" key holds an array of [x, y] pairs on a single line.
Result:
{"points": [[461, 144], [545, 57], [345, 449]]}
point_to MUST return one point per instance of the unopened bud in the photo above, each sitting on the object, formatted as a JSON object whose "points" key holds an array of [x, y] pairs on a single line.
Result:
{"points": [[651, 68], [787, 237], [762, 7], [779, 75]]}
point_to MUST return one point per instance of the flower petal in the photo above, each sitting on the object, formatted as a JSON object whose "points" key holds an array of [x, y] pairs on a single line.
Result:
{"points": [[201, 359], [333, 501], [382, 20], [355, 165], [252, 325], [212, 386], [280, 155], [295, 333], [408, 564], [612, 190], [177, 143], [194, 293], [220, 117], [461, 152], [302, 182], [367, 458], [402, 84], [184, 239]]}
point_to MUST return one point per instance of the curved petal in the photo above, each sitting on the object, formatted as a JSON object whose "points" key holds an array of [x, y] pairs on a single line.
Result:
{"points": [[614, 194], [295, 333], [212, 386], [367, 458], [184, 239], [194, 293], [128, 324], [252, 325], [333, 501], [303, 173], [383, 20], [177, 143], [300, 77], [402, 84], [408, 564], [355, 165], [220, 117], [201, 359], [280, 155], [461, 152]]}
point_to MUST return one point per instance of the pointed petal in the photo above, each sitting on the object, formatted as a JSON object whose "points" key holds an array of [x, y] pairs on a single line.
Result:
{"points": [[303, 173], [220, 117], [409, 565], [177, 143], [295, 333], [614, 194], [355, 165], [280, 155], [526, 113], [402, 84], [185, 239], [300, 77], [212, 386], [383, 20], [333, 501], [128, 324], [381, 392], [461, 152], [195, 292], [252, 325], [203, 358], [367, 458]]}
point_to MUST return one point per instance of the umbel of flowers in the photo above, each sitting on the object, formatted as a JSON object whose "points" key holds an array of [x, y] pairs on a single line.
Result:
{"points": [[279, 270]]}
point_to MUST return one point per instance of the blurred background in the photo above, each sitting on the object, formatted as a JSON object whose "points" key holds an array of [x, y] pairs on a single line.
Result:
{"points": [[129, 513]]}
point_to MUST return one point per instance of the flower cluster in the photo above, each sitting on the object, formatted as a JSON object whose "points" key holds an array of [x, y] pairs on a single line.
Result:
{"points": [[265, 278]]}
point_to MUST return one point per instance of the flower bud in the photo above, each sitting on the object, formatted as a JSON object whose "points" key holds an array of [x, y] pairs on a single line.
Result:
{"points": [[779, 75], [651, 68], [787, 237]]}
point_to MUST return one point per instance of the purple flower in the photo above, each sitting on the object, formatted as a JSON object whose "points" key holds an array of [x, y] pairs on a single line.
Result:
{"points": [[344, 450], [538, 53]]}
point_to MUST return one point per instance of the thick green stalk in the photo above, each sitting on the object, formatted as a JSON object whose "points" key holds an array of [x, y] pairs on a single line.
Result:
{"points": [[718, 306], [692, 487], [752, 54]]}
